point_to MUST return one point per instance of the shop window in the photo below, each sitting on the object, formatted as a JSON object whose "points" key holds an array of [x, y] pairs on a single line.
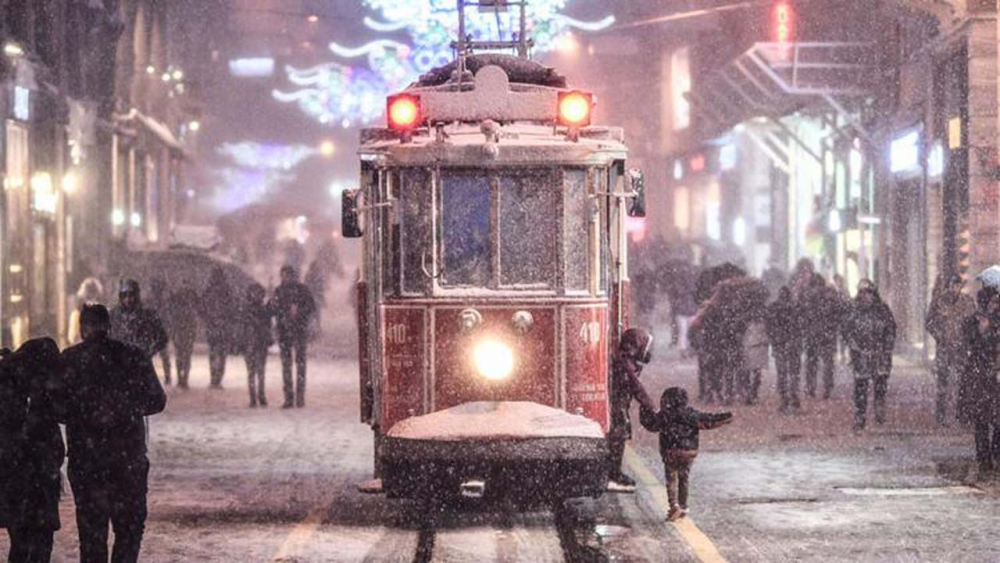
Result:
{"points": [[680, 86]]}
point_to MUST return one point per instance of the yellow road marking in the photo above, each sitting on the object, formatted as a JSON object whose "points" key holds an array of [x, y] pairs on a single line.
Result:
{"points": [[300, 535], [700, 544]]}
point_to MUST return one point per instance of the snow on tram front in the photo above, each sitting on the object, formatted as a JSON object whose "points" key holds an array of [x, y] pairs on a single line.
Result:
{"points": [[493, 222]]}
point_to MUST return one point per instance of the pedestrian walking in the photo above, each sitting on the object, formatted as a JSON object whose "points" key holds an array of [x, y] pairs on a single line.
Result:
{"points": [[977, 394], [870, 333], [822, 312], [679, 426], [293, 307], [135, 324], [257, 339], [31, 449], [784, 329], [183, 329], [634, 352], [217, 306], [945, 318], [159, 304], [110, 386], [753, 360]]}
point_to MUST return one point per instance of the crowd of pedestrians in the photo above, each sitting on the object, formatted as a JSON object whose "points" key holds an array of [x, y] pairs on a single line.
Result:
{"points": [[104, 386]]}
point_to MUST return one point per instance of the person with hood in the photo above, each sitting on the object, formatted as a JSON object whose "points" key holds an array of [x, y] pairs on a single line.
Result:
{"points": [[977, 394], [634, 351], [158, 303], [91, 291], [217, 307], [257, 333], [679, 427], [822, 314], [135, 324], [945, 318], [185, 307], [784, 329], [31, 449], [870, 334], [109, 387], [293, 308]]}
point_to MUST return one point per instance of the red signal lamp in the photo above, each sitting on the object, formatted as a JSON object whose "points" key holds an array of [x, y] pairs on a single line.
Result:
{"points": [[575, 108], [403, 111]]}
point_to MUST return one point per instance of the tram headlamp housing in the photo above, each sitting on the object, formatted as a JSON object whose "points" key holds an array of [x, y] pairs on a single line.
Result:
{"points": [[493, 359]]}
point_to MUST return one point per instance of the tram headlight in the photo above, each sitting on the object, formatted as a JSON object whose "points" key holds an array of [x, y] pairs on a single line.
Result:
{"points": [[494, 360]]}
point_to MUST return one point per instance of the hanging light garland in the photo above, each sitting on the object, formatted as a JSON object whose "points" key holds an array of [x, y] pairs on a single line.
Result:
{"points": [[345, 94]]}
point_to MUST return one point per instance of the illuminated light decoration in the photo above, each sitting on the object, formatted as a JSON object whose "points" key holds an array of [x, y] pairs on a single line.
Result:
{"points": [[259, 156], [727, 156], [194, 126], [70, 183], [574, 108], [740, 231], [403, 112], [697, 163], [44, 197], [327, 148], [135, 220], [935, 160], [117, 217], [678, 170], [13, 50], [835, 222], [338, 93], [256, 67], [22, 103], [784, 22], [904, 152]]}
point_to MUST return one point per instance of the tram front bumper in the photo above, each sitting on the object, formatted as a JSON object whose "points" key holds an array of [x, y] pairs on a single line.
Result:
{"points": [[495, 450]]}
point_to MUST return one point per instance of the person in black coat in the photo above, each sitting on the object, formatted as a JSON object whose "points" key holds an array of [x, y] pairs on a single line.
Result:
{"points": [[110, 387], [679, 426], [31, 449], [217, 314], [158, 303], [977, 394], [634, 352], [293, 307], [257, 339], [135, 324], [822, 314], [870, 334], [784, 329]]}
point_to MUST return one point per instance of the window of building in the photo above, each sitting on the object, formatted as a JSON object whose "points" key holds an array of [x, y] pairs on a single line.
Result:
{"points": [[680, 86]]}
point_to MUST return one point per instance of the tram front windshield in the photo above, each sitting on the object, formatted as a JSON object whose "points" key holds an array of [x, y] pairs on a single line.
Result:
{"points": [[495, 230]]}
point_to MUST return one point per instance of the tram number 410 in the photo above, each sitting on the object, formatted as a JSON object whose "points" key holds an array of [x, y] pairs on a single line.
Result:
{"points": [[590, 333], [396, 333]]}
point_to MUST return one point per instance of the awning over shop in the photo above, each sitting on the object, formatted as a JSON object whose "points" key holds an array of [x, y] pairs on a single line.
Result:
{"points": [[158, 130], [771, 80]]}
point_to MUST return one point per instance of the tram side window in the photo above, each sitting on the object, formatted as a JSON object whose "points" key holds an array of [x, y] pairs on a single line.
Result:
{"points": [[528, 220], [465, 230], [576, 236], [415, 239]]}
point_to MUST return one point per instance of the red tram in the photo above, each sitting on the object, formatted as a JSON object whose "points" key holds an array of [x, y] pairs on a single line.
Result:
{"points": [[493, 224]]}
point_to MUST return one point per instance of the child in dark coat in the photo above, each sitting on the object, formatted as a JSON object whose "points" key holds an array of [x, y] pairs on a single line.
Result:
{"points": [[678, 426], [257, 339]]}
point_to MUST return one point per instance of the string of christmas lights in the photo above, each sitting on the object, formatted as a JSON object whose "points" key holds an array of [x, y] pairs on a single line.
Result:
{"points": [[339, 93]]}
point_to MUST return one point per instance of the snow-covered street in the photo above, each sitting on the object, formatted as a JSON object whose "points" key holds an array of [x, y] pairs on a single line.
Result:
{"points": [[234, 484]]}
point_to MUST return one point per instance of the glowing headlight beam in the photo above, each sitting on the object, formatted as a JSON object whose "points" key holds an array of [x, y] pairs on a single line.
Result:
{"points": [[494, 360]]}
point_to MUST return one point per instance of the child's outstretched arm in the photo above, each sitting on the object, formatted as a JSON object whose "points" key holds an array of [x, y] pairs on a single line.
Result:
{"points": [[710, 420]]}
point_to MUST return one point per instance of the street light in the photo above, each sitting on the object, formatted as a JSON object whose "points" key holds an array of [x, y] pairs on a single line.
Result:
{"points": [[194, 126], [327, 148]]}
